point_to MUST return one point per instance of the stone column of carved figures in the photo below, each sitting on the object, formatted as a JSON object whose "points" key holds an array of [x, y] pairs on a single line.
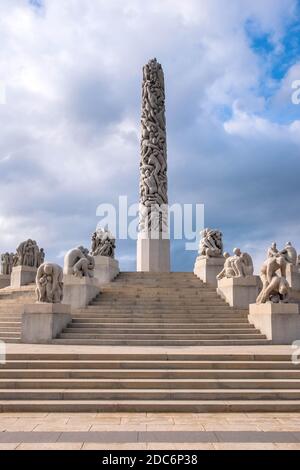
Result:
{"points": [[44, 320], [210, 260], [274, 313], [153, 247], [236, 282], [103, 250], [26, 261], [80, 286]]}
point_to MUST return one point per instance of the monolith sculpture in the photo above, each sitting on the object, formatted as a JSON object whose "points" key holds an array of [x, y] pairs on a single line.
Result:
{"points": [[153, 247]]}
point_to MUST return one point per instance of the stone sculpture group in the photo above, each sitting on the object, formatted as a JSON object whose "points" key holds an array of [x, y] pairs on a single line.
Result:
{"points": [[238, 265], [273, 273], [7, 263], [103, 243], [29, 254], [211, 244]]}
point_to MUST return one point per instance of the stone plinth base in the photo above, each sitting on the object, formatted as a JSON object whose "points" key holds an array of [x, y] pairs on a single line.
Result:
{"points": [[22, 276], [207, 269], [4, 280], [106, 269], [153, 255], [80, 291], [293, 278], [239, 292], [43, 322], [279, 322]]}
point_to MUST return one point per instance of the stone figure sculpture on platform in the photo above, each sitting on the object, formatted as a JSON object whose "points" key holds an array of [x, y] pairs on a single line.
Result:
{"points": [[7, 263], [237, 266], [153, 166], [79, 263], [29, 254], [275, 285], [103, 243], [49, 283], [211, 244], [290, 254]]}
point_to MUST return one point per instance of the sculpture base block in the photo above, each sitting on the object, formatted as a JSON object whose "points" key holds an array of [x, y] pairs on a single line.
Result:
{"points": [[22, 276], [293, 278], [80, 291], [153, 255], [240, 292], [43, 322], [106, 269], [279, 322], [4, 280], [207, 269]]}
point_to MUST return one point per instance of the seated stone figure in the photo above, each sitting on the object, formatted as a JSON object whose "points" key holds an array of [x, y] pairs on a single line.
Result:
{"points": [[238, 265], [290, 254], [211, 244], [79, 263], [275, 286], [49, 283]]}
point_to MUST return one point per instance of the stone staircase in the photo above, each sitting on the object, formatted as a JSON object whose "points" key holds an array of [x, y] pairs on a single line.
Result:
{"points": [[11, 304], [150, 381], [145, 309]]}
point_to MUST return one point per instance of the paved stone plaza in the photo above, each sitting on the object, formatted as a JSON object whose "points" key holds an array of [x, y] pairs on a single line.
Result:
{"points": [[149, 431]]}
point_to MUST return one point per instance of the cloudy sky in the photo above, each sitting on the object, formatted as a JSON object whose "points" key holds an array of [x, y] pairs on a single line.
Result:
{"points": [[69, 139]]}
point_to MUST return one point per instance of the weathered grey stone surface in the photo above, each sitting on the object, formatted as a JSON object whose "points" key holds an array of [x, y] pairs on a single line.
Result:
{"points": [[79, 291], [22, 276], [207, 269], [279, 322], [153, 255], [4, 281], [239, 292], [42, 322], [79, 263], [49, 283], [106, 269], [103, 243]]}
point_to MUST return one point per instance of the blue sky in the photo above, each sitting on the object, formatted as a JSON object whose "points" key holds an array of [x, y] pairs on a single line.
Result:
{"points": [[70, 126]]}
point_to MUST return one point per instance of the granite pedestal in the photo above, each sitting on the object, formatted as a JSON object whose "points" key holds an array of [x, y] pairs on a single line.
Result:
{"points": [[80, 291], [207, 269], [42, 322], [279, 322], [239, 292], [22, 276]]}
